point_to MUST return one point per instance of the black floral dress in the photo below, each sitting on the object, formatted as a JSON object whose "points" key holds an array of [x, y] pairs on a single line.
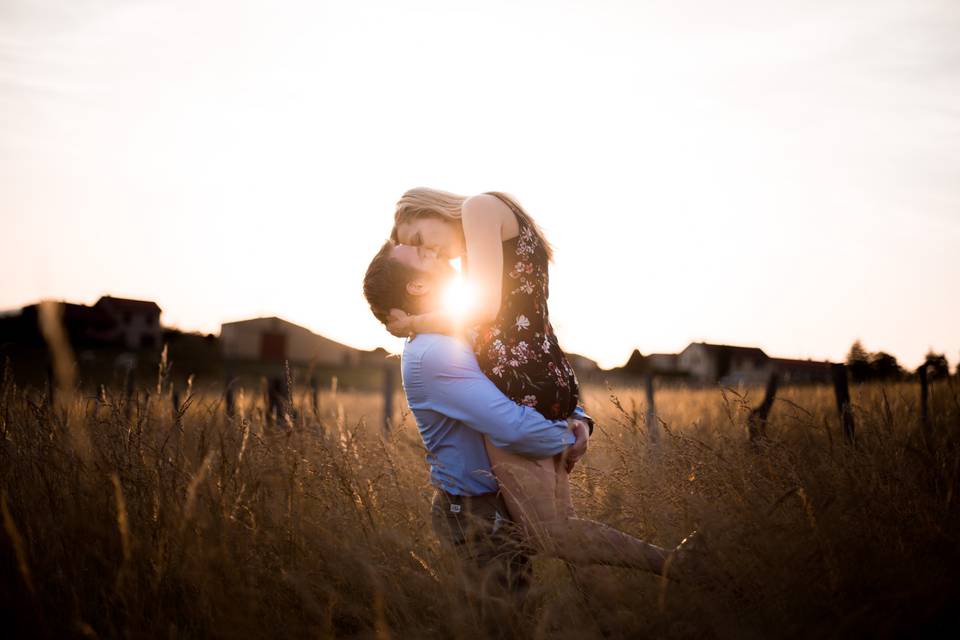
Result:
{"points": [[519, 351]]}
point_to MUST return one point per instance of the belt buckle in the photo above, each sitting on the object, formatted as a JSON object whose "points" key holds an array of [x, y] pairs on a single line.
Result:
{"points": [[455, 508]]}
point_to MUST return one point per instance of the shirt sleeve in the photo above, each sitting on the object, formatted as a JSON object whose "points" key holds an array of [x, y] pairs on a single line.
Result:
{"points": [[457, 388]]}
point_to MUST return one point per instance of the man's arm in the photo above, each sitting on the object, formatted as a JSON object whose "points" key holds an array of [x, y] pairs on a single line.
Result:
{"points": [[457, 388]]}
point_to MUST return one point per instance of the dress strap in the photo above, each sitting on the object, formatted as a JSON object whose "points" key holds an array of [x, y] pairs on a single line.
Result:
{"points": [[502, 197]]}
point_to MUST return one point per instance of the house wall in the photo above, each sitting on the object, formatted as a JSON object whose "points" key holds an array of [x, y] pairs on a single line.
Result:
{"points": [[140, 325], [241, 340], [704, 365], [746, 370], [663, 362], [306, 345], [696, 360], [130, 331], [802, 370]]}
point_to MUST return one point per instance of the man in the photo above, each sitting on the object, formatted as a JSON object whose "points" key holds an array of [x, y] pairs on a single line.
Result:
{"points": [[455, 406]]}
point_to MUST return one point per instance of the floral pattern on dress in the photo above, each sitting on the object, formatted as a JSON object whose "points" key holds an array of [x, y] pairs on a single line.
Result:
{"points": [[519, 351]]}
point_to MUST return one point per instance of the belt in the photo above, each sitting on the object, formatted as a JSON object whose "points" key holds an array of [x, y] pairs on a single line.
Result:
{"points": [[456, 501], [460, 504], [455, 496]]}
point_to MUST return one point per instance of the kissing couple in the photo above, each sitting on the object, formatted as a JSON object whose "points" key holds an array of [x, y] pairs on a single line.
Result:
{"points": [[494, 397]]}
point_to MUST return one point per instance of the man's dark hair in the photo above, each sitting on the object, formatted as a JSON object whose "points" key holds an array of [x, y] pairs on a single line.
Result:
{"points": [[385, 284]]}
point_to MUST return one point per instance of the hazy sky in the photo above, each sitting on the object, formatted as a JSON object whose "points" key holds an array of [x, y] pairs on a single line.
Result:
{"points": [[785, 175]]}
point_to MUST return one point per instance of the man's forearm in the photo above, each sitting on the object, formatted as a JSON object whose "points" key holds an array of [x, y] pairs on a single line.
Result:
{"points": [[535, 445], [460, 390]]}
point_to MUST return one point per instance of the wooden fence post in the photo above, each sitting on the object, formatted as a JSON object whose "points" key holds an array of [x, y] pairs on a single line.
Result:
{"points": [[228, 398], [290, 411], [315, 395], [275, 401], [841, 389], [653, 427], [925, 405], [757, 421], [389, 384]]}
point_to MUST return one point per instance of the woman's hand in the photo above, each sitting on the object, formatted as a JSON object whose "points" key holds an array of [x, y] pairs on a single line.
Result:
{"points": [[578, 449], [400, 323]]}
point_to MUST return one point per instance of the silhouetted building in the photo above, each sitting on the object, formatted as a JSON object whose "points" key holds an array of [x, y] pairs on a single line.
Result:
{"points": [[724, 363], [801, 370], [111, 322], [136, 323], [275, 340], [662, 362]]}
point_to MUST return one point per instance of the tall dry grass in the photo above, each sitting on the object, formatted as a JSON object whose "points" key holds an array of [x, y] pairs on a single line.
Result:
{"points": [[138, 519]]}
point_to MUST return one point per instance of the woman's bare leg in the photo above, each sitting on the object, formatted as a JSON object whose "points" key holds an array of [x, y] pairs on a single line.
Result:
{"points": [[537, 493]]}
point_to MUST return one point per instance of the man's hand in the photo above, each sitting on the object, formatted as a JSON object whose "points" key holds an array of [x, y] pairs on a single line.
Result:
{"points": [[400, 323], [573, 453]]}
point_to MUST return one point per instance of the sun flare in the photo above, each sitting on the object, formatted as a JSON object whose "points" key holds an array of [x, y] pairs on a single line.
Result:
{"points": [[459, 297]]}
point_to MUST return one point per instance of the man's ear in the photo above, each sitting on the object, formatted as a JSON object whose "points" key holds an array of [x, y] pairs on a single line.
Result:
{"points": [[418, 287]]}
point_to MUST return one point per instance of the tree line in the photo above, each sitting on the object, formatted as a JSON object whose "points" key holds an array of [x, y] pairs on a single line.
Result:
{"points": [[879, 365]]}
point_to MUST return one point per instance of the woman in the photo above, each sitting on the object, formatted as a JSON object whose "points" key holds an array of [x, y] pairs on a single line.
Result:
{"points": [[505, 258]]}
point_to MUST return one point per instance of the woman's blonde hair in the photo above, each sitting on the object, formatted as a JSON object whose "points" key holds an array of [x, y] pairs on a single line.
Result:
{"points": [[424, 202]]}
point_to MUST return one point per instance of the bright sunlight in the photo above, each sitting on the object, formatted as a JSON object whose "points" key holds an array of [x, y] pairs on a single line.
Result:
{"points": [[459, 296]]}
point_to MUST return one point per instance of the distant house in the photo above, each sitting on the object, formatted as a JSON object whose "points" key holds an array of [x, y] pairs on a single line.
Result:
{"points": [[727, 364], [136, 323], [275, 340], [663, 363], [724, 363], [801, 370], [113, 322]]}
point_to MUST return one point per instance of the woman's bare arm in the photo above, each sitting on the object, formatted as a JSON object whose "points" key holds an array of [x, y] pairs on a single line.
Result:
{"points": [[483, 221]]}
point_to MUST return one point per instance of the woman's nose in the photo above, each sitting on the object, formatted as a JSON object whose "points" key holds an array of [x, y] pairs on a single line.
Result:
{"points": [[430, 253]]}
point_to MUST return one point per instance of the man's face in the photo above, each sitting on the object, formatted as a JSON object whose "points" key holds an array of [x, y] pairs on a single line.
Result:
{"points": [[427, 262], [429, 287]]}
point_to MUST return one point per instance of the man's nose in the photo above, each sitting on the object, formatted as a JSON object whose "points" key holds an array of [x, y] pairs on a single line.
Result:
{"points": [[431, 253]]}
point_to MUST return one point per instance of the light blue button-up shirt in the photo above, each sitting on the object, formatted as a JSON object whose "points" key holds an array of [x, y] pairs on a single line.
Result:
{"points": [[455, 405]]}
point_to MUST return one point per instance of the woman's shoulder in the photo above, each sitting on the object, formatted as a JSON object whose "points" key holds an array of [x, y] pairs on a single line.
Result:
{"points": [[487, 208], [486, 205], [485, 199]]}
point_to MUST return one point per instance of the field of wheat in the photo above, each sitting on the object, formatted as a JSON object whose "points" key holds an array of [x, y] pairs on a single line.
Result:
{"points": [[135, 518]]}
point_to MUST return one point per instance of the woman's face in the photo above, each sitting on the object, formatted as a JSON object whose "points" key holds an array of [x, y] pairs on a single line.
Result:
{"points": [[432, 235]]}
